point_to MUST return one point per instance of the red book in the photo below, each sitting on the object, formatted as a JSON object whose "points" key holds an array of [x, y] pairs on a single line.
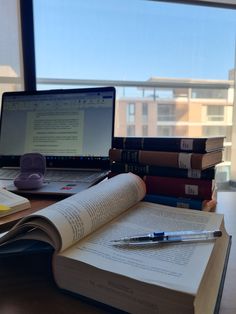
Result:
{"points": [[179, 187]]}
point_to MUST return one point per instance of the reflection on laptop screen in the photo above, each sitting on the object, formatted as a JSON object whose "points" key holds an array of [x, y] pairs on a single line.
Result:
{"points": [[62, 125]]}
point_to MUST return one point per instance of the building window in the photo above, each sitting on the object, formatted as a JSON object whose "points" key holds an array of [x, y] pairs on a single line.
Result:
{"points": [[144, 113], [166, 112], [209, 93], [130, 113], [215, 113], [216, 130], [145, 130], [165, 131], [130, 130]]}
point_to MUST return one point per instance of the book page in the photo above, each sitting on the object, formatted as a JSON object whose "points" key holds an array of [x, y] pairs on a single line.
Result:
{"points": [[168, 265], [77, 216]]}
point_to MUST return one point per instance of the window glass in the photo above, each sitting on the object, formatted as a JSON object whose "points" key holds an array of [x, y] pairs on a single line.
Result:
{"points": [[215, 113], [166, 112], [145, 130], [132, 40], [11, 74], [130, 130], [177, 59], [165, 131], [131, 113], [144, 113]]}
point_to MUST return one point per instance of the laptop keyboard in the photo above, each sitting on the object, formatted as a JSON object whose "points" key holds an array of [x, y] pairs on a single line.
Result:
{"points": [[8, 174], [60, 175], [56, 175]]}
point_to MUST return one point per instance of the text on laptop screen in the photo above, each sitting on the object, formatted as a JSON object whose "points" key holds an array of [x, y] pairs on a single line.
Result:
{"points": [[76, 123]]}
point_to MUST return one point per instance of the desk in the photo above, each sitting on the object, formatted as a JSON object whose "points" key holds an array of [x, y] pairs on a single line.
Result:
{"points": [[26, 289]]}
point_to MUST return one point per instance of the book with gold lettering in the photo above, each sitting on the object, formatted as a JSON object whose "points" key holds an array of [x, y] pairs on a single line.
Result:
{"points": [[166, 159]]}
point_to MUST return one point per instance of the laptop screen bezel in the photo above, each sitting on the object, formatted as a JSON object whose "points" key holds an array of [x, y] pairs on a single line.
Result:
{"points": [[68, 162]]}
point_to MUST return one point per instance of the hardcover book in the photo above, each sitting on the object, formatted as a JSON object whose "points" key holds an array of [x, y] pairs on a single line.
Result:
{"points": [[150, 279], [174, 144], [11, 203], [119, 167], [183, 202], [166, 159], [180, 187]]}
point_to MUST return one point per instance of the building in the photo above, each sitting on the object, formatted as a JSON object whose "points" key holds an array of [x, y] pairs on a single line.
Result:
{"points": [[192, 110]]}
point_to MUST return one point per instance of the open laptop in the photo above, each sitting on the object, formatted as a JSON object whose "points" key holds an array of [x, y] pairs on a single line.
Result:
{"points": [[72, 128]]}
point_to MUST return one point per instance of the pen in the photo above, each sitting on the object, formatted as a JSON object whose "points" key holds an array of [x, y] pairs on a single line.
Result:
{"points": [[170, 236]]}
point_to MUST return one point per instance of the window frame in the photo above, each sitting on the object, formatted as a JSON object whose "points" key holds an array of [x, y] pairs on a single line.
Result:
{"points": [[28, 45], [28, 52]]}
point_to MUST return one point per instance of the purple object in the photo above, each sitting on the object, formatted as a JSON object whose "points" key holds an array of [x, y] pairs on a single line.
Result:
{"points": [[33, 167]]}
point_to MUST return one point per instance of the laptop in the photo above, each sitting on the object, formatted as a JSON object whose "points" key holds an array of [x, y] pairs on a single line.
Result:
{"points": [[72, 128]]}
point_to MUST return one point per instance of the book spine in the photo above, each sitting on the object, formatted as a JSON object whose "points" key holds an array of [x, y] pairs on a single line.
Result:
{"points": [[160, 144], [139, 169], [179, 187], [205, 205], [174, 201], [157, 158]]}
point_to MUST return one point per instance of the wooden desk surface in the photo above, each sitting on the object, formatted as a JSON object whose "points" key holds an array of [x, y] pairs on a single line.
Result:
{"points": [[27, 289]]}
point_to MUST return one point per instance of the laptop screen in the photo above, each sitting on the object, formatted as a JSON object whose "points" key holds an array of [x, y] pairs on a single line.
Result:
{"points": [[73, 128]]}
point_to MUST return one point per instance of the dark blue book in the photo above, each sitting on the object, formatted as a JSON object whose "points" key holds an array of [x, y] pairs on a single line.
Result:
{"points": [[172, 144], [206, 205], [142, 170]]}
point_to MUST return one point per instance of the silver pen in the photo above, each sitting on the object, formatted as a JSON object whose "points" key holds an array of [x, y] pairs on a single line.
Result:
{"points": [[170, 237]]}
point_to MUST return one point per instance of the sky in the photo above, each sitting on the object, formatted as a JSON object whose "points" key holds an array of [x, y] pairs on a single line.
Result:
{"points": [[132, 40]]}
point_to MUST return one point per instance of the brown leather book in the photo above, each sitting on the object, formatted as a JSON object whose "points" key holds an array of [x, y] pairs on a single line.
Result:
{"points": [[167, 159]]}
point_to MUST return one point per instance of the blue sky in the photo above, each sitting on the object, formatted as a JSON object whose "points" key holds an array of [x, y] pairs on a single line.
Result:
{"points": [[132, 40]]}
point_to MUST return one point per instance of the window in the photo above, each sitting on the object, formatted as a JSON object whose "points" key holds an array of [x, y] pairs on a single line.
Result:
{"points": [[145, 113], [187, 59], [11, 73], [165, 131], [215, 130], [165, 112], [130, 130], [85, 40], [131, 113], [145, 130], [209, 93], [215, 113]]}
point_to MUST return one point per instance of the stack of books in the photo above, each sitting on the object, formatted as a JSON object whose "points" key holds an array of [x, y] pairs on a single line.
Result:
{"points": [[178, 171]]}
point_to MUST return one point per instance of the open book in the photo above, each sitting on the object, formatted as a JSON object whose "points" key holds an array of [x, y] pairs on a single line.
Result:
{"points": [[171, 278]]}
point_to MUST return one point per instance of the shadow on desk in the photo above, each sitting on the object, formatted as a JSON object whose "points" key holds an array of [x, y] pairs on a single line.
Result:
{"points": [[27, 287]]}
